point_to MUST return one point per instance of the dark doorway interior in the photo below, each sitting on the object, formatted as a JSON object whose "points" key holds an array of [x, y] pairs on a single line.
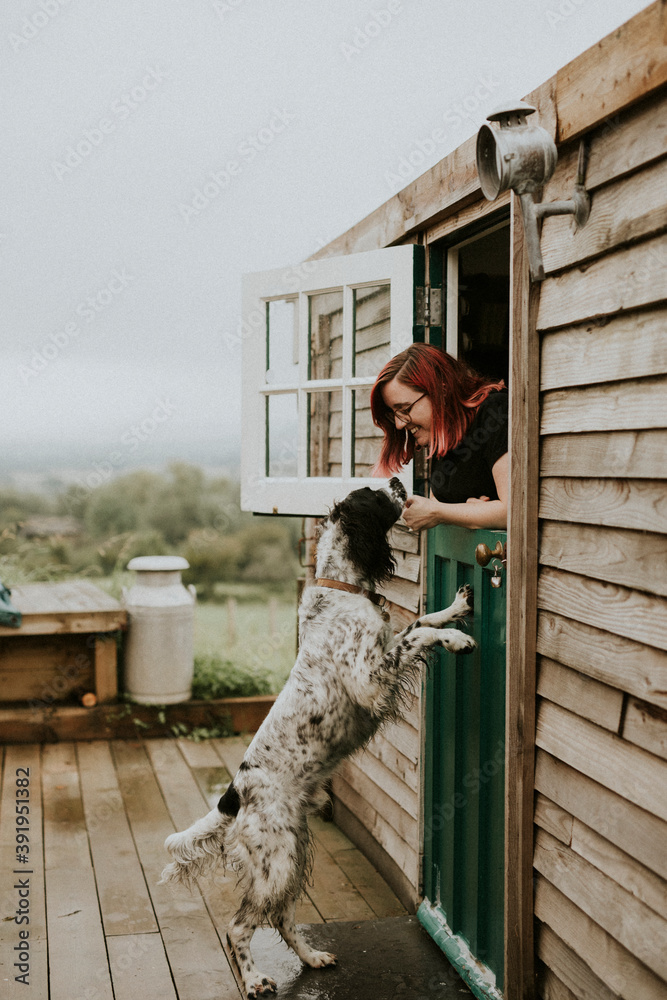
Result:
{"points": [[483, 303]]}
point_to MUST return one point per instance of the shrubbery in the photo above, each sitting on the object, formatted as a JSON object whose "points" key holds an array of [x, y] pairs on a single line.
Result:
{"points": [[215, 677], [180, 512]]}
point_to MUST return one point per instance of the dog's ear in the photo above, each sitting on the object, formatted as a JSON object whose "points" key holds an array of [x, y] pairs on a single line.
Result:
{"points": [[365, 531]]}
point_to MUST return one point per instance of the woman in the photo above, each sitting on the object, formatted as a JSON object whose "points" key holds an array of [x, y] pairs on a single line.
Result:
{"points": [[424, 398]]}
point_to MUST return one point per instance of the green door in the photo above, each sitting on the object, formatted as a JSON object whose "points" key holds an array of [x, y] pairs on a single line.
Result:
{"points": [[464, 768]]}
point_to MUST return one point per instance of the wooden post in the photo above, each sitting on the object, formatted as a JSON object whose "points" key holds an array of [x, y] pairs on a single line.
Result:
{"points": [[106, 681], [522, 621], [231, 621]]}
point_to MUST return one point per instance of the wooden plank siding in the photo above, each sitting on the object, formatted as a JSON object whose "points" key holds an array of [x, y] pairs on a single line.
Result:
{"points": [[600, 817], [377, 793]]}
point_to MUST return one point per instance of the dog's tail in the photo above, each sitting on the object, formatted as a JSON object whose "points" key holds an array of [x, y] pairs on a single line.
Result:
{"points": [[197, 851]]}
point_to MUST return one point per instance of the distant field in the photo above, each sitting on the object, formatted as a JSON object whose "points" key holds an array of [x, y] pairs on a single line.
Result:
{"points": [[254, 646]]}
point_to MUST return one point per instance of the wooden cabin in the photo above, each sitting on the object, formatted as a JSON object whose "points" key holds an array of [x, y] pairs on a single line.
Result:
{"points": [[521, 807]]}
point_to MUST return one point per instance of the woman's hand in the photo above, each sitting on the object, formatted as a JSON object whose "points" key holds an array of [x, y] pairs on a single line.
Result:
{"points": [[420, 512]]}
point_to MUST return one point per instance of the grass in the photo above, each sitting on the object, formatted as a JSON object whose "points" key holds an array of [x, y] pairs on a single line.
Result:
{"points": [[254, 653]]}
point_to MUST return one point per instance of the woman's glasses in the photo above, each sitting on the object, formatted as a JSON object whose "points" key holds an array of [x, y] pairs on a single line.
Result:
{"points": [[403, 412]]}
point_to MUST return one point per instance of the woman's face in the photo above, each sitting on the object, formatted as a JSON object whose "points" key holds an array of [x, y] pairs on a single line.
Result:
{"points": [[398, 397]]}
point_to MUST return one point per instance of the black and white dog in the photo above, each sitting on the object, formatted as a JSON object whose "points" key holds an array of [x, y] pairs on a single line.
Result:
{"points": [[351, 676]]}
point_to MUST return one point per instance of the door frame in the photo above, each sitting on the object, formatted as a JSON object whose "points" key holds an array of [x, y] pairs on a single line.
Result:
{"points": [[522, 572]]}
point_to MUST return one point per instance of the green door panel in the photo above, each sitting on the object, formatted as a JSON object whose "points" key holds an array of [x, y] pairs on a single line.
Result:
{"points": [[464, 761]]}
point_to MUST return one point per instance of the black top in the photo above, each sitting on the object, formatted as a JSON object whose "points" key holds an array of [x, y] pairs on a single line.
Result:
{"points": [[465, 471]]}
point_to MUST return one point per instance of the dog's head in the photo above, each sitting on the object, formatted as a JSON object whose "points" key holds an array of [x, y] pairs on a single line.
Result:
{"points": [[364, 517]]}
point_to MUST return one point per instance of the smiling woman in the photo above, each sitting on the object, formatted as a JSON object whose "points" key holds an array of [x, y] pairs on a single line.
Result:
{"points": [[425, 398]]}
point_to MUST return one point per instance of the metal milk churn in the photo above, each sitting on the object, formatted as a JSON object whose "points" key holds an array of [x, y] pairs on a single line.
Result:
{"points": [[159, 653]]}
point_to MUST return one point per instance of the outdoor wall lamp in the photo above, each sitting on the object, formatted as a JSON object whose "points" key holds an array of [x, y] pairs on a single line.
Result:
{"points": [[523, 157]]}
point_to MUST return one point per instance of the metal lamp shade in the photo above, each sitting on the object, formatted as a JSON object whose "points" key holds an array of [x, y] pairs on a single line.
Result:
{"points": [[520, 157]]}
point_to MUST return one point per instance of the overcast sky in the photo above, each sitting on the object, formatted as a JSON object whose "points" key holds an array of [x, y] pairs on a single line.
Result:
{"points": [[123, 255]]}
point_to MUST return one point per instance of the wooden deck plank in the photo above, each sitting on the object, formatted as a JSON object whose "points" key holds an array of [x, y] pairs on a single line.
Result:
{"points": [[121, 800], [333, 893], [124, 899], [231, 751], [198, 963], [369, 884], [186, 802], [139, 968], [77, 952], [200, 754], [212, 782], [183, 797], [22, 757]]}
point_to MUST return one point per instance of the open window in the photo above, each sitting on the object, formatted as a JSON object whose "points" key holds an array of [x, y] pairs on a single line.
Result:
{"points": [[314, 339]]}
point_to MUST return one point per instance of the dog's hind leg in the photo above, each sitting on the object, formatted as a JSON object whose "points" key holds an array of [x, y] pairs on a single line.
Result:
{"points": [[286, 926], [239, 936]]}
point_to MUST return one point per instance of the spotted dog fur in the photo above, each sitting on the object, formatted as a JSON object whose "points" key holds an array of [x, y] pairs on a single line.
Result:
{"points": [[350, 677]]}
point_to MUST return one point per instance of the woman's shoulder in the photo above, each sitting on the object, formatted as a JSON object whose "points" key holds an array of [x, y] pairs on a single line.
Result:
{"points": [[496, 404]]}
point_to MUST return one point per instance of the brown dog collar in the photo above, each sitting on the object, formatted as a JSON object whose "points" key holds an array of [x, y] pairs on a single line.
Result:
{"points": [[352, 588]]}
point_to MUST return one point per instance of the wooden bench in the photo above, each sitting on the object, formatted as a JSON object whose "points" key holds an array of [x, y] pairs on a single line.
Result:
{"points": [[65, 646]]}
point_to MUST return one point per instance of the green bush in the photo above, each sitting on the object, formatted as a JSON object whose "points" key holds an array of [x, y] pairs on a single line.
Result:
{"points": [[215, 677], [213, 558], [116, 552]]}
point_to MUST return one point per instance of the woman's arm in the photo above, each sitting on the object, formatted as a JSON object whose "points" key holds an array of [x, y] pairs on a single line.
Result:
{"points": [[422, 512]]}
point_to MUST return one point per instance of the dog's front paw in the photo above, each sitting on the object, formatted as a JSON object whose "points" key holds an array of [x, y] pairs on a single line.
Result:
{"points": [[456, 642], [463, 602]]}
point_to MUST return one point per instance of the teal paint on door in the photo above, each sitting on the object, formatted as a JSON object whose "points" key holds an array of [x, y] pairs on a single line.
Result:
{"points": [[464, 759]]}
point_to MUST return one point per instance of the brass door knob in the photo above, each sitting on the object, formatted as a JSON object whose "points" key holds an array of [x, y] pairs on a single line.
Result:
{"points": [[484, 555]]}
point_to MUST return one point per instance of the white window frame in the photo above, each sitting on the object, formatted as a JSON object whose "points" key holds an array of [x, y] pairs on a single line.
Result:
{"points": [[301, 494]]}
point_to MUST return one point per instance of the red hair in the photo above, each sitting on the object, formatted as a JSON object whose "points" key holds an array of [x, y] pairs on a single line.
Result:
{"points": [[454, 389]]}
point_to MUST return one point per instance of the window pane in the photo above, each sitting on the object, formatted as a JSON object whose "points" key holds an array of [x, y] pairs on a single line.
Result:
{"points": [[325, 433], [281, 435], [325, 312], [367, 438], [372, 348], [282, 352]]}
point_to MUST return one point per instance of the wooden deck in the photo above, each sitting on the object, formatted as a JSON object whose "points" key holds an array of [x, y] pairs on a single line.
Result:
{"points": [[100, 928]]}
